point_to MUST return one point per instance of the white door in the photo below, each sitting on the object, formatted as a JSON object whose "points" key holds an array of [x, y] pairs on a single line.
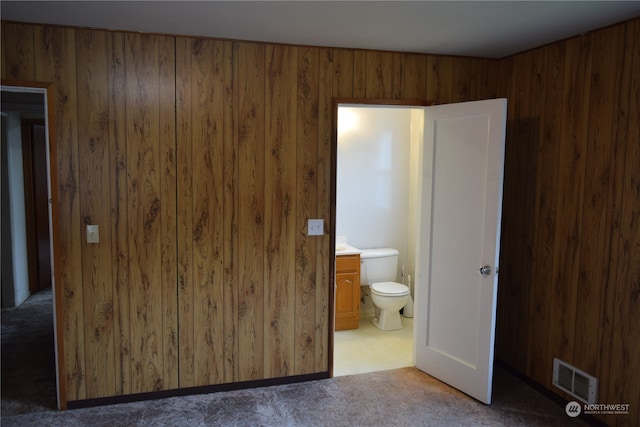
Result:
{"points": [[459, 241]]}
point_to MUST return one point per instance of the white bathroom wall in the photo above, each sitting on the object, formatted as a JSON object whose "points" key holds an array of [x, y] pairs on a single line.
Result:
{"points": [[415, 175], [17, 215], [374, 178]]}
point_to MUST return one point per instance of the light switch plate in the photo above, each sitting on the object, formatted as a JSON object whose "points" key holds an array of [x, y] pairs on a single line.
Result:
{"points": [[315, 227], [93, 234]]}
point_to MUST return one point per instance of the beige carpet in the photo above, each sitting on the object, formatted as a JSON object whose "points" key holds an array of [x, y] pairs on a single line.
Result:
{"points": [[402, 397]]}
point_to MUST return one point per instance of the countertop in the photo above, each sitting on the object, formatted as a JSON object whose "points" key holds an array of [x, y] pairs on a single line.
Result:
{"points": [[346, 249]]}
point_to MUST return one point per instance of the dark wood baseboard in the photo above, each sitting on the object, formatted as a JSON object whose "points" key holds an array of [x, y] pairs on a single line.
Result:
{"points": [[112, 400]]}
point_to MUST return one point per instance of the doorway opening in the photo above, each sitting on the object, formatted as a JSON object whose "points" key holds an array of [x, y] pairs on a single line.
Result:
{"points": [[377, 176], [460, 162], [29, 341]]}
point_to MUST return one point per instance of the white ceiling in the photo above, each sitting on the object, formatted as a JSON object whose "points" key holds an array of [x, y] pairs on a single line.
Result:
{"points": [[492, 29]]}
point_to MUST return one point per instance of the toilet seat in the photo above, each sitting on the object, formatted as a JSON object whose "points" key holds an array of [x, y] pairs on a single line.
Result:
{"points": [[390, 289]]}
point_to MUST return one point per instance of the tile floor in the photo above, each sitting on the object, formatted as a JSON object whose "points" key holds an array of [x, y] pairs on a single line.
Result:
{"points": [[368, 349]]}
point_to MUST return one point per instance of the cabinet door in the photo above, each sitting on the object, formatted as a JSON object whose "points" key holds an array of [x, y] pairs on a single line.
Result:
{"points": [[347, 292]]}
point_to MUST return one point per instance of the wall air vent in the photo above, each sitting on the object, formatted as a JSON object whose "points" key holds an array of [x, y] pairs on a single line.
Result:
{"points": [[577, 383]]}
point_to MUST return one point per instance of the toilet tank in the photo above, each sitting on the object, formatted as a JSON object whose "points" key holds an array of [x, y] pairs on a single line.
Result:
{"points": [[378, 265]]}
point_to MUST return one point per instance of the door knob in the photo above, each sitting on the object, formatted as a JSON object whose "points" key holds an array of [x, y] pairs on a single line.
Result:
{"points": [[485, 270]]}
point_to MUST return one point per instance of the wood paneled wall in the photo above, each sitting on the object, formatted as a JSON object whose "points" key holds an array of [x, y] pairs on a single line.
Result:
{"points": [[570, 265], [201, 161]]}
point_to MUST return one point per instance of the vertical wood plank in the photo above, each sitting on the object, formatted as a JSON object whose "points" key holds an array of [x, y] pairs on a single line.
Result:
{"points": [[379, 74], [232, 191], [206, 165], [551, 63], [145, 203], [439, 79], [306, 199], [397, 75], [208, 198], [506, 81], [252, 210], [119, 213], [55, 53], [93, 149], [324, 254], [168, 190], [184, 212], [18, 60], [360, 74], [343, 80], [489, 81], [463, 80], [280, 201], [415, 77], [536, 84]]}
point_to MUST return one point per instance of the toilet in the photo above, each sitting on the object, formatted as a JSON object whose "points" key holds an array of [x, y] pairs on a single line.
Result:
{"points": [[379, 270]]}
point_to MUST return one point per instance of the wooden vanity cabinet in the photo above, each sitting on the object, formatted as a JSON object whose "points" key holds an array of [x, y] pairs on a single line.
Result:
{"points": [[347, 292]]}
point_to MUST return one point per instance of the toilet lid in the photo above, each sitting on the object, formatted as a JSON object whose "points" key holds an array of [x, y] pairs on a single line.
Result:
{"points": [[390, 288]]}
